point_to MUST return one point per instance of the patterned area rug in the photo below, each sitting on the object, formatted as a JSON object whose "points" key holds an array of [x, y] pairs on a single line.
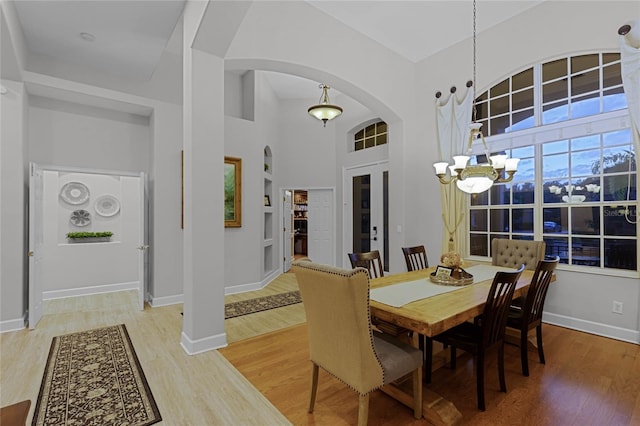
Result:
{"points": [[94, 378], [244, 307]]}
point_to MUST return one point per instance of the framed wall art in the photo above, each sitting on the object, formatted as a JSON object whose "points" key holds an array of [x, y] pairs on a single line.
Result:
{"points": [[232, 192]]}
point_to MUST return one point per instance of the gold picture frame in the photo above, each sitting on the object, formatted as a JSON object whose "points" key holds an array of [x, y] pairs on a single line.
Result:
{"points": [[232, 192]]}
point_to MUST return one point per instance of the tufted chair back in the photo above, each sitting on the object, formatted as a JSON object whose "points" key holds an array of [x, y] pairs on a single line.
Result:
{"points": [[513, 253]]}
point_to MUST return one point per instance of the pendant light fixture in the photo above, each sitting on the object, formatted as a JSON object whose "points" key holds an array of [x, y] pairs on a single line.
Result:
{"points": [[476, 178], [324, 110]]}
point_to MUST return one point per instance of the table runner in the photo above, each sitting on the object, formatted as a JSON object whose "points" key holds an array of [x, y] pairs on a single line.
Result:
{"points": [[398, 295]]}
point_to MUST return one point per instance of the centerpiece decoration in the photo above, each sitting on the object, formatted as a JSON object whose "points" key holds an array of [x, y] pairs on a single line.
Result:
{"points": [[450, 271]]}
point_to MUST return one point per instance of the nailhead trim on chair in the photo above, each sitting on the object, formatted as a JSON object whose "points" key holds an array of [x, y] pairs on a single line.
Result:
{"points": [[347, 273]]}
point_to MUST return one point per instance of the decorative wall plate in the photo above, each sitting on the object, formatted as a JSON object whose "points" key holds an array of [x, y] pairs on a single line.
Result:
{"points": [[80, 218], [74, 193], [107, 205]]}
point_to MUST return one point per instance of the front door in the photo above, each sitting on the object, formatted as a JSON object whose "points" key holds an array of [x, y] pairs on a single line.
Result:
{"points": [[366, 211]]}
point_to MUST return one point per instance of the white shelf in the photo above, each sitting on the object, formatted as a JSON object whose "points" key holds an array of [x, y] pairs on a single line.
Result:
{"points": [[268, 176], [268, 242], [268, 209]]}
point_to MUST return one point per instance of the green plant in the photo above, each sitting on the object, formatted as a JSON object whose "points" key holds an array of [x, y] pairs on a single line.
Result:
{"points": [[103, 234]]}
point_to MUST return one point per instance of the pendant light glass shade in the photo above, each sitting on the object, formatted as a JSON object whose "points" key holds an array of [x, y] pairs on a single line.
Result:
{"points": [[324, 110]]}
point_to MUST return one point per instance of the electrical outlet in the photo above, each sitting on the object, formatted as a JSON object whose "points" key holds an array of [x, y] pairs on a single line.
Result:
{"points": [[617, 307]]}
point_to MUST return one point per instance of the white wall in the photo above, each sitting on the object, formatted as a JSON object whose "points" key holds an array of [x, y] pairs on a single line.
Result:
{"points": [[579, 300], [70, 268]]}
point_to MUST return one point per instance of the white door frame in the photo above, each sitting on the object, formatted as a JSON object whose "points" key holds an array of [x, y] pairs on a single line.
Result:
{"points": [[332, 255], [36, 223], [347, 213]]}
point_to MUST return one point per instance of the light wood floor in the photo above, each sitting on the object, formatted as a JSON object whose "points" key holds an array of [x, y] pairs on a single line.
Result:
{"points": [[203, 389]]}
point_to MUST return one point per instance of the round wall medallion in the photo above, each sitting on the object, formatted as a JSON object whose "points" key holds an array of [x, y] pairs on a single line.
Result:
{"points": [[80, 218], [74, 193], [107, 205]]}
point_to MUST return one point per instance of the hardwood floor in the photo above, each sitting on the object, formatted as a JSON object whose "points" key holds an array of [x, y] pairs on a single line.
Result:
{"points": [[588, 380]]}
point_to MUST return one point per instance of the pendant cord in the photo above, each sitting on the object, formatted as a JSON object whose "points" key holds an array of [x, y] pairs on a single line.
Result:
{"points": [[475, 82]]}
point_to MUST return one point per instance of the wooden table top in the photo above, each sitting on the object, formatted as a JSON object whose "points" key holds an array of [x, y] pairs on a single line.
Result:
{"points": [[433, 315]]}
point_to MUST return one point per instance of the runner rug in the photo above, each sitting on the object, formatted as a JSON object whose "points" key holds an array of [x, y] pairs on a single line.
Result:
{"points": [[244, 307], [94, 378]]}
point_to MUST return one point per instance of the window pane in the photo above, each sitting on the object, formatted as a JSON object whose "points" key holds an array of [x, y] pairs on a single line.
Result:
{"points": [[585, 220], [586, 105], [482, 111], [620, 254], [618, 220], [525, 151], [591, 141], [557, 247], [500, 195], [369, 142], [523, 99], [619, 159], [619, 137], [610, 57], [555, 112], [359, 145], [382, 127], [555, 166], [555, 220], [522, 80], [499, 89], [585, 82], [617, 188], [584, 62], [555, 147], [523, 193], [481, 199], [554, 190], [479, 245], [555, 91], [613, 99], [499, 125], [585, 251], [498, 106], [370, 130], [611, 75], [585, 162], [522, 120], [522, 220], [500, 220], [478, 220], [588, 187], [554, 69], [381, 139]]}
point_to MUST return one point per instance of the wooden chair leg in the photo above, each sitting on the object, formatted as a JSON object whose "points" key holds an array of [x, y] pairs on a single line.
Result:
{"points": [[539, 338], [480, 380], [417, 393], [427, 353], [363, 410], [503, 382], [314, 387], [524, 352]]}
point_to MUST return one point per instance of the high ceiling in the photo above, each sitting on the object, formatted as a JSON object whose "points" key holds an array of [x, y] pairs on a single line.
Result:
{"points": [[127, 38]]}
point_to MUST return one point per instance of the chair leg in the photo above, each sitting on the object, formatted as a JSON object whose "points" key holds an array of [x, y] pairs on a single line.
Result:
{"points": [[524, 352], [503, 382], [314, 387], [480, 380], [427, 356], [363, 410], [539, 338], [417, 393]]}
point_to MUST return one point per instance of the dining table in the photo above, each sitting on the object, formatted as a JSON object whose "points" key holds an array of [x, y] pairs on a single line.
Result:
{"points": [[412, 301]]}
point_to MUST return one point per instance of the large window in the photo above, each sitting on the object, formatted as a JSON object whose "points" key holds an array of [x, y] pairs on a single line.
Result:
{"points": [[576, 182], [373, 135]]}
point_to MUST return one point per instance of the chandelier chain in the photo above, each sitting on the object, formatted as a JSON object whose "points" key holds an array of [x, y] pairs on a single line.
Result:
{"points": [[475, 82]]}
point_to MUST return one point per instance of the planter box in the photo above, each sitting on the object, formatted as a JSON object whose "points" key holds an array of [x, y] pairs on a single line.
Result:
{"points": [[90, 240]]}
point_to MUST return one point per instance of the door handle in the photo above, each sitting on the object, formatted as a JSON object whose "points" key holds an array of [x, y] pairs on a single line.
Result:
{"points": [[30, 254]]}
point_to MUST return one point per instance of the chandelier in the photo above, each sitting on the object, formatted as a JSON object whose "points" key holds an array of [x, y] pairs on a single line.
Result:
{"points": [[324, 110], [476, 178]]}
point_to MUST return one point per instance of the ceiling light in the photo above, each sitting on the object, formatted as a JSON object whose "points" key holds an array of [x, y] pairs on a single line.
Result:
{"points": [[476, 178], [87, 37], [324, 110]]}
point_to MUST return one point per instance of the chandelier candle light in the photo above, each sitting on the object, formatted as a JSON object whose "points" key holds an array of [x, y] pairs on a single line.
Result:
{"points": [[324, 110], [476, 178]]}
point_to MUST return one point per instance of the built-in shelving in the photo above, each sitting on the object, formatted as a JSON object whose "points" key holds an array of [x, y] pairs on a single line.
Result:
{"points": [[268, 214]]}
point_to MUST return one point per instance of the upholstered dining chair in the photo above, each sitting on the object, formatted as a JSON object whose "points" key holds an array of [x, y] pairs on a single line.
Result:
{"points": [[415, 257], [369, 260], [513, 253], [527, 316], [341, 340], [485, 333]]}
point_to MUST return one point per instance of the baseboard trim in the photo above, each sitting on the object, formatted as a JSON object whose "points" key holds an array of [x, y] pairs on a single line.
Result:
{"points": [[604, 330], [86, 291], [14, 324], [242, 288], [156, 302], [193, 347]]}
